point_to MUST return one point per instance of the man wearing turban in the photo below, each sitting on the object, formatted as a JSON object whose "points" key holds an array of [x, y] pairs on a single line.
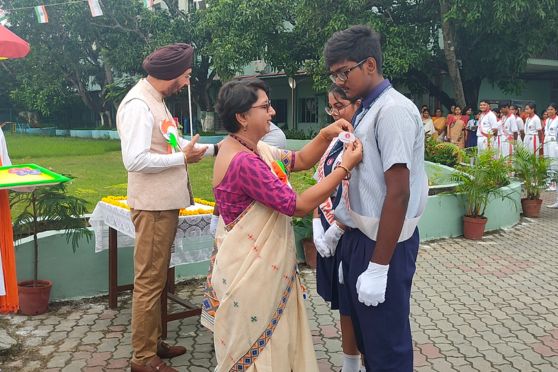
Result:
{"points": [[158, 187]]}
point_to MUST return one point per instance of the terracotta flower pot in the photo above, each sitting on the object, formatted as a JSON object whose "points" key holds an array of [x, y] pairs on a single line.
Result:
{"points": [[473, 227], [310, 252], [531, 207], [34, 296]]}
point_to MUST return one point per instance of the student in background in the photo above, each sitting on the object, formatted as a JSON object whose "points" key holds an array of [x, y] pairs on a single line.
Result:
{"points": [[439, 123], [327, 233], [533, 136], [428, 125], [487, 127], [275, 137]]}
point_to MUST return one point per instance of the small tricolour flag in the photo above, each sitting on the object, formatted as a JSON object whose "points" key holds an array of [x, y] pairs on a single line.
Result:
{"points": [[95, 8], [148, 3], [41, 13]]}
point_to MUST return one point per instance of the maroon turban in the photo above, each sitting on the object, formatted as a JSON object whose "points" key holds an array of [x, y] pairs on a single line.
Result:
{"points": [[169, 62]]}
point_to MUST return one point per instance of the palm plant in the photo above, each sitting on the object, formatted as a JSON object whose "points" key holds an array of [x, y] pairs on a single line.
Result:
{"points": [[480, 181], [49, 208], [532, 169]]}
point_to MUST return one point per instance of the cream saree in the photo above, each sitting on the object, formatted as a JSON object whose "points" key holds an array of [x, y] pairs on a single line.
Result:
{"points": [[253, 299]]}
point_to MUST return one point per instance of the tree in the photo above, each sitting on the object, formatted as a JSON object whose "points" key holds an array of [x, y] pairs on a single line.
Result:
{"points": [[259, 29], [448, 32], [99, 58], [290, 34], [484, 39], [64, 60], [494, 39]]}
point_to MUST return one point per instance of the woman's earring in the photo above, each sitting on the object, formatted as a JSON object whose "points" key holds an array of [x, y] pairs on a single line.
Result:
{"points": [[245, 128]]}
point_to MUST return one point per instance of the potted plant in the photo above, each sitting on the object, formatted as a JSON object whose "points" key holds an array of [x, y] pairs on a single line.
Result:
{"points": [[477, 183], [532, 169], [45, 208]]}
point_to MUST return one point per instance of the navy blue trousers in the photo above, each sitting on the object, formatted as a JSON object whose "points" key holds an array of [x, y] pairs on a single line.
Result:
{"points": [[383, 332]]}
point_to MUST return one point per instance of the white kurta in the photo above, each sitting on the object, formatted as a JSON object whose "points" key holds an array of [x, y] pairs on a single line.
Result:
{"points": [[550, 143], [487, 123], [506, 134], [532, 127], [5, 161], [520, 128]]}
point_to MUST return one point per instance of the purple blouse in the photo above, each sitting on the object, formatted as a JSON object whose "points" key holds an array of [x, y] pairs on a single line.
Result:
{"points": [[249, 178]]}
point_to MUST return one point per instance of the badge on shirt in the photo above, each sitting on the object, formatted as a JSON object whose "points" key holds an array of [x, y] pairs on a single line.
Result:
{"points": [[346, 137], [170, 133]]}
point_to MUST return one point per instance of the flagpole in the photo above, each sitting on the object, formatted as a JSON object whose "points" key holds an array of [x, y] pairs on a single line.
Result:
{"points": [[190, 111]]}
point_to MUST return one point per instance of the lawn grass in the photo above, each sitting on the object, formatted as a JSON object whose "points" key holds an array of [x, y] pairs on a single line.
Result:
{"points": [[97, 169]]}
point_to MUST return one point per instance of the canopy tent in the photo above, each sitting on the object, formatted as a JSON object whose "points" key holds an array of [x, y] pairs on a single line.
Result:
{"points": [[11, 45]]}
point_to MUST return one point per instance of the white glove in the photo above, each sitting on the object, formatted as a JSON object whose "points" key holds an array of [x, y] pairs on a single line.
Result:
{"points": [[340, 273], [371, 284], [326, 243], [213, 225], [332, 236]]}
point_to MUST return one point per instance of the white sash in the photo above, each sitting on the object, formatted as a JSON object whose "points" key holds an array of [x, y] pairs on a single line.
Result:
{"points": [[369, 225]]}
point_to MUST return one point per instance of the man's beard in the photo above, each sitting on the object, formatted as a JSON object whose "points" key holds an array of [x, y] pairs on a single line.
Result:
{"points": [[174, 89]]}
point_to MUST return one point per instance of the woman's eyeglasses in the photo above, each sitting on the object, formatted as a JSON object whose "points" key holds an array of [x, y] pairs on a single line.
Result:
{"points": [[265, 106], [335, 110]]}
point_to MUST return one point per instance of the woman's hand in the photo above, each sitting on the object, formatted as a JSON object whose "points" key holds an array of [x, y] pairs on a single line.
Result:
{"points": [[332, 131], [352, 155]]}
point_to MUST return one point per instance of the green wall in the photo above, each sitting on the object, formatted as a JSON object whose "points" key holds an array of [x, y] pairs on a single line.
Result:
{"points": [[443, 216], [85, 273]]}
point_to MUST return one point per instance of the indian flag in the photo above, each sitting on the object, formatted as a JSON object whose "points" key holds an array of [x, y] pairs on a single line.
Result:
{"points": [[41, 13], [148, 3], [95, 8]]}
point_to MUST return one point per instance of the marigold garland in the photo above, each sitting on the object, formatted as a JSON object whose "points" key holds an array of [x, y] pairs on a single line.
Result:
{"points": [[118, 201]]}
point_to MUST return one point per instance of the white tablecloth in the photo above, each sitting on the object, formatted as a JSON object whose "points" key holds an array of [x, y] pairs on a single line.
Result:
{"points": [[192, 242]]}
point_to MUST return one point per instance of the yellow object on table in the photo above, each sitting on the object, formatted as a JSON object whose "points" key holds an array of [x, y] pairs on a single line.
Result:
{"points": [[202, 206]]}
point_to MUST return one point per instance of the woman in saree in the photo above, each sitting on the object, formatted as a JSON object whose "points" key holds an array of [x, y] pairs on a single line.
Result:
{"points": [[456, 128], [427, 123], [254, 300], [439, 123]]}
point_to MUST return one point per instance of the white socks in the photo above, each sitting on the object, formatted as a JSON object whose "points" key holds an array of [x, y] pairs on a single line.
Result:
{"points": [[351, 363]]}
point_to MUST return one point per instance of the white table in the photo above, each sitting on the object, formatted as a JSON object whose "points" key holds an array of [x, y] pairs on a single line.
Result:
{"points": [[192, 244]]}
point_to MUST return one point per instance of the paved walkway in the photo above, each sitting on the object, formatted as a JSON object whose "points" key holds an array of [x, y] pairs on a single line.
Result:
{"points": [[477, 306]]}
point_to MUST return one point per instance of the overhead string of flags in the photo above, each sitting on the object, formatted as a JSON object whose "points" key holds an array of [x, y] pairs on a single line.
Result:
{"points": [[42, 15]]}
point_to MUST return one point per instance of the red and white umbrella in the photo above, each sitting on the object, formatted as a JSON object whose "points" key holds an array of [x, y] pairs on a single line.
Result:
{"points": [[11, 45]]}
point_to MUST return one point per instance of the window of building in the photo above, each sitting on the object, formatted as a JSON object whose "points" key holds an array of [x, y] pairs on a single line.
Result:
{"points": [[280, 107], [307, 110], [554, 92]]}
